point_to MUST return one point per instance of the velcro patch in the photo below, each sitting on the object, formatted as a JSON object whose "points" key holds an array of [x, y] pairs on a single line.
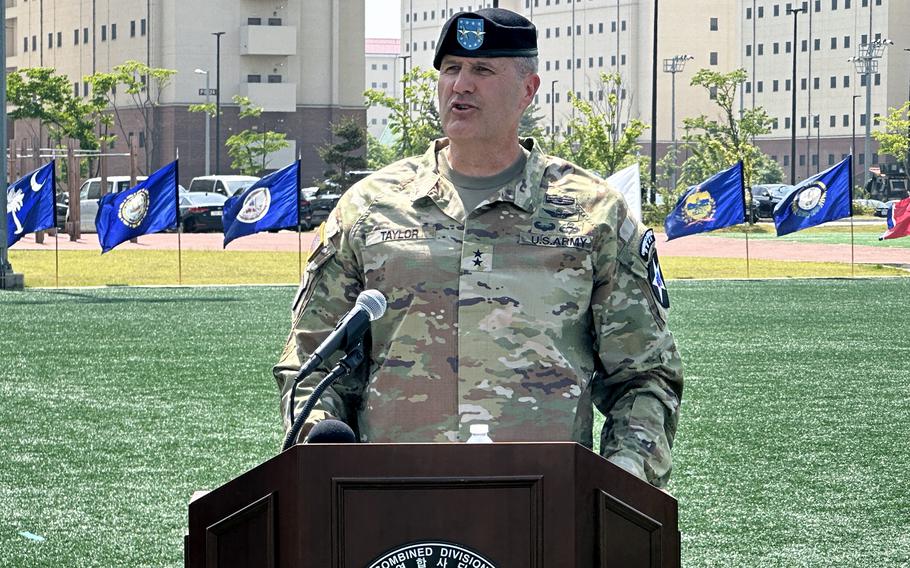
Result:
{"points": [[656, 280], [477, 258], [385, 234], [646, 244], [562, 200], [583, 242]]}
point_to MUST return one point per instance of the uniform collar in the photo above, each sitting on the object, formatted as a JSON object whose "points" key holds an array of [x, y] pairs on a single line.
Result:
{"points": [[427, 184]]}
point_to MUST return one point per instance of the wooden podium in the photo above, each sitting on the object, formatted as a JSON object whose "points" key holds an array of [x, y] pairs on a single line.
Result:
{"points": [[500, 505]]}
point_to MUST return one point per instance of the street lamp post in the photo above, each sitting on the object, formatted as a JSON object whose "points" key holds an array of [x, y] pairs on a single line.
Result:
{"points": [[866, 63], [404, 99], [817, 123], [207, 128], [673, 66], [217, 100], [795, 12], [652, 193], [553, 113]]}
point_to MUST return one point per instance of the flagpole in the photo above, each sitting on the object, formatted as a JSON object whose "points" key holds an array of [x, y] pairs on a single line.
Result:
{"points": [[748, 273], [56, 228], [299, 223], [179, 228], [852, 265], [746, 215]]}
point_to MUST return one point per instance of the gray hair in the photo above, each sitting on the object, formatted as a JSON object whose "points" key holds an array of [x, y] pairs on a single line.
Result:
{"points": [[526, 65]]}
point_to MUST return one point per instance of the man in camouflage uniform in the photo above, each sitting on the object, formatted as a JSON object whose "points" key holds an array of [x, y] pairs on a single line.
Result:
{"points": [[521, 293]]}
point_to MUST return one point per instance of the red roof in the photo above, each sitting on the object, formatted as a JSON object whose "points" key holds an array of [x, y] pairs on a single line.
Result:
{"points": [[382, 46]]}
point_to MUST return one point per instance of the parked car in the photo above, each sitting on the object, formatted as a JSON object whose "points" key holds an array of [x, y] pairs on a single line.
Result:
{"points": [[323, 200], [226, 185], [883, 210], [201, 211], [766, 196], [90, 193], [879, 208]]}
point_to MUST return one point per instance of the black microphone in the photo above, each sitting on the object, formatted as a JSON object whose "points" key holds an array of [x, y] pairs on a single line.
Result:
{"points": [[370, 306], [331, 431]]}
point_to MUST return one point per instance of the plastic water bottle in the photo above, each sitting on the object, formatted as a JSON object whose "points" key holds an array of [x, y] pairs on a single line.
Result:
{"points": [[480, 434]]}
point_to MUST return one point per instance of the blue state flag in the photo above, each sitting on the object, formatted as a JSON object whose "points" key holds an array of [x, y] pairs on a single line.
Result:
{"points": [[149, 207], [30, 204], [271, 203], [821, 198], [718, 202]]}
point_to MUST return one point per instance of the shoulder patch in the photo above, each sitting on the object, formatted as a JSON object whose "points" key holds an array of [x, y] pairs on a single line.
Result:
{"points": [[646, 245], [656, 280]]}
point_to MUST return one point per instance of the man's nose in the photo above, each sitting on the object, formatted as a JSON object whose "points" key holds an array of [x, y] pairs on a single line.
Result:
{"points": [[463, 82]]}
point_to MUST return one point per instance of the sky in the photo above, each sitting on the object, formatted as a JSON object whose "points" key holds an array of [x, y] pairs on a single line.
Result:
{"points": [[382, 18]]}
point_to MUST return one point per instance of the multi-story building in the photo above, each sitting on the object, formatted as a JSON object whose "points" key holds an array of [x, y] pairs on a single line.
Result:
{"points": [[579, 40], [384, 66], [293, 58]]}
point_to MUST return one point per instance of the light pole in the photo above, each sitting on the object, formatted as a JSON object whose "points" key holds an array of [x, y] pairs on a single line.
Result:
{"points": [[553, 113], [866, 63], [817, 123], [6, 269], [673, 66], [653, 191], [207, 129], [404, 99], [217, 100], [907, 167], [795, 12], [853, 140]]}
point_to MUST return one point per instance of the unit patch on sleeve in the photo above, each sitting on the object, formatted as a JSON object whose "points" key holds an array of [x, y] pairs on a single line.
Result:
{"points": [[647, 243], [656, 280]]}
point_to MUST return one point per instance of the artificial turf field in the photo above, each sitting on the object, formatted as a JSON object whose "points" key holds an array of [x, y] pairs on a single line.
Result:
{"points": [[118, 403]]}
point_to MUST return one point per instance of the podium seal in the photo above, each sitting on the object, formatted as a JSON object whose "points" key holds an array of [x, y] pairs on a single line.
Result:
{"points": [[431, 554]]}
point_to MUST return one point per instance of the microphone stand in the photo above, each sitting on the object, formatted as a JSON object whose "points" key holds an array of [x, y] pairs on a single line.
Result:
{"points": [[348, 363]]}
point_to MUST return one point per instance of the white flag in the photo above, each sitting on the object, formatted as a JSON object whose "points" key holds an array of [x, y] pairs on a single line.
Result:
{"points": [[628, 182]]}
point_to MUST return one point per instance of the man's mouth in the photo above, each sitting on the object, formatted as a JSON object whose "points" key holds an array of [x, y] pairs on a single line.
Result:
{"points": [[462, 106]]}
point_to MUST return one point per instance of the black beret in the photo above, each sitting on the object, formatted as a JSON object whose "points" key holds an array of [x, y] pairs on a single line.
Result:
{"points": [[490, 32]]}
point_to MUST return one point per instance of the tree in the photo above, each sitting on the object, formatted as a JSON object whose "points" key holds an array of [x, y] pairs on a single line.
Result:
{"points": [[379, 155], [895, 138], [345, 155], [602, 136], [39, 93], [144, 86], [417, 126], [530, 124], [715, 145], [250, 148]]}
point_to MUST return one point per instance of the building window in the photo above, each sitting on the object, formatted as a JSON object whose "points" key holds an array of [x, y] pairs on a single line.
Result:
{"points": [[713, 25], [274, 79], [258, 79], [142, 139], [25, 44], [556, 32], [786, 159], [600, 61], [816, 83], [548, 65], [834, 4], [748, 50], [832, 121], [862, 80], [775, 85], [845, 120], [761, 49], [590, 62], [84, 88], [802, 159], [113, 32], [803, 84], [787, 85], [84, 35], [712, 93], [132, 28], [76, 37], [613, 61], [76, 88], [830, 159], [622, 59], [761, 11], [862, 120], [804, 45], [590, 29], [846, 42], [787, 124], [34, 43], [787, 47], [623, 25], [600, 28], [761, 86], [776, 48], [59, 39], [815, 159], [568, 63], [878, 79], [613, 26], [776, 10], [802, 122], [817, 44], [834, 43], [749, 13], [833, 82], [103, 33], [547, 33], [818, 5], [712, 58], [50, 40], [142, 26], [748, 87], [846, 81]]}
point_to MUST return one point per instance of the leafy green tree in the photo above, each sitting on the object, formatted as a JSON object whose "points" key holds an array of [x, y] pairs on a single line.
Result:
{"points": [[595, 138], [39, 93], [379, 155], [717, 144], [144, 86], [346, 154], [250, 149], [413, 118], [894, 140]]}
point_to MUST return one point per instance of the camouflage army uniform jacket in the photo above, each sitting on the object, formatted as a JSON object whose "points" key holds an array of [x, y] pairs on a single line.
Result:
{"points": [[521, 314]]}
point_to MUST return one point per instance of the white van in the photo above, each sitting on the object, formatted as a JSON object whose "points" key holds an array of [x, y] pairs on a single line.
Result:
{"points": [[227, 186], [90, 193]]}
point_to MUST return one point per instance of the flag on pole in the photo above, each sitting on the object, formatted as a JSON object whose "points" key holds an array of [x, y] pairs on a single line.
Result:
{"points": [[150, 207], [30, 204], [898, 220], [628, 182], [821, 198], [718, 202], [273, 202]]}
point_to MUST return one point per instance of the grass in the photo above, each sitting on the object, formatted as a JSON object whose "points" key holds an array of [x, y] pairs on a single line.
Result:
{"points": [[120, 402], [863, 235], [160, 267]]}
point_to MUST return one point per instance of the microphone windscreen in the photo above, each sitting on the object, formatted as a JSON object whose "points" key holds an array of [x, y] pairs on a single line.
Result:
{"points": [[374, 302], [331, 432]]}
